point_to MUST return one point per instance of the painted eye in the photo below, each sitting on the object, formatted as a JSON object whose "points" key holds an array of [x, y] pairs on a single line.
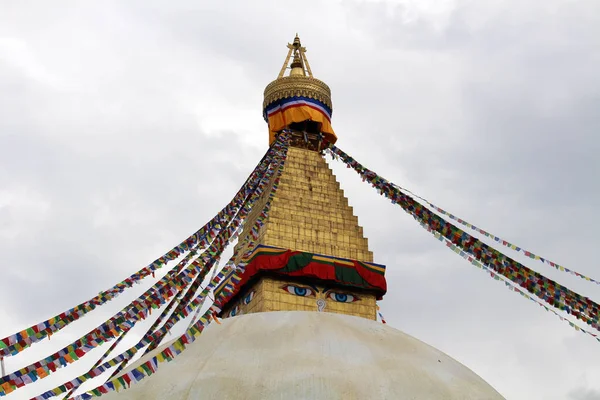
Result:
{"points": [[248, 298], [342, 297], [298, 290], [234, 311]]}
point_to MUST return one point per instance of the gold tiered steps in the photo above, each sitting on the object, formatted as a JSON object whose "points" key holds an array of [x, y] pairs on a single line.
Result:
{"points": [[309, 211]]}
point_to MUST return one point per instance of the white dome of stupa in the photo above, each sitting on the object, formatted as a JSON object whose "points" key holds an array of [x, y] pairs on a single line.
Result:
{"points": [[308, 355]]}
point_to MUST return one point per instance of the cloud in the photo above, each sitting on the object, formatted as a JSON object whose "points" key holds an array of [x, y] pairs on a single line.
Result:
{"points": [[585, 394], [125, 127]]}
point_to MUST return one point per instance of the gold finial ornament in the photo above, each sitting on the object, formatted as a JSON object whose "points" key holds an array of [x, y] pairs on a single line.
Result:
{"points": [[298, 86], [289, 86]]}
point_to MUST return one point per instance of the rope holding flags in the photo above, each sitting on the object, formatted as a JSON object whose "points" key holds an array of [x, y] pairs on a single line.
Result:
{"points": [[129, 353], [16, 343], [497, 239], [193, 331], [155, 324], [546, 289], [507, 283], [112, 328], [123, 320], [146, 369]]}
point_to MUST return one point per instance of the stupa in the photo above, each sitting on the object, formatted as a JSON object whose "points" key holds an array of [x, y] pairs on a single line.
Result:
{"points": [[302, 321]]}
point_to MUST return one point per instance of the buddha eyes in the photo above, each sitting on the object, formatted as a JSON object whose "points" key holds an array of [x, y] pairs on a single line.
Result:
{"points": [[298, 290], [342, 297], [303, 291]]}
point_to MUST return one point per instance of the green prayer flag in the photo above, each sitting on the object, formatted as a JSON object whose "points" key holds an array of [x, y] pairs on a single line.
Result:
{"points": [[146, 368]]}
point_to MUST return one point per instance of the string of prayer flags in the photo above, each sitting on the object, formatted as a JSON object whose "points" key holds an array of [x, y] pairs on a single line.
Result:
{"points": [[16, 343], [121, 322], [175, 349], [507, 283], [168, 354], [192, 289], [111, 329], [546, 289], [501, 241], [156, 295], [179, 345], [171, 320]]}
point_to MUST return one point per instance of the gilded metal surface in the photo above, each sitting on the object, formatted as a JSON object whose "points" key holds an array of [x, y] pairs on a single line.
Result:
{"points": [[270, 294], [309, 211], [290, 86], [299, 52], [297, 63], [286, 62]]}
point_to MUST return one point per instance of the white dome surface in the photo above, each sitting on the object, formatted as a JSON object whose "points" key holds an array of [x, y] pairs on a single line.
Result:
{"points": [[308, 355]]}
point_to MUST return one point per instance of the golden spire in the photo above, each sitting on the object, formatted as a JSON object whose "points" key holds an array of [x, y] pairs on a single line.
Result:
{"points": [[299, 66], [309, 216]]}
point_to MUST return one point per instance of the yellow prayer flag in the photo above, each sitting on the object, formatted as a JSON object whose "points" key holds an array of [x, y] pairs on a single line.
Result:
{"points": [[178, 345]]}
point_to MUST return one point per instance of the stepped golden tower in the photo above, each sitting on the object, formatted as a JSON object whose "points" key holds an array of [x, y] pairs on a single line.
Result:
{"points": [[309, 214]]}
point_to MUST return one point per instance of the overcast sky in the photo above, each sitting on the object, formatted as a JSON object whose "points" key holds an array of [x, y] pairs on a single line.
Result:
{"points": [[125, 126]]}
